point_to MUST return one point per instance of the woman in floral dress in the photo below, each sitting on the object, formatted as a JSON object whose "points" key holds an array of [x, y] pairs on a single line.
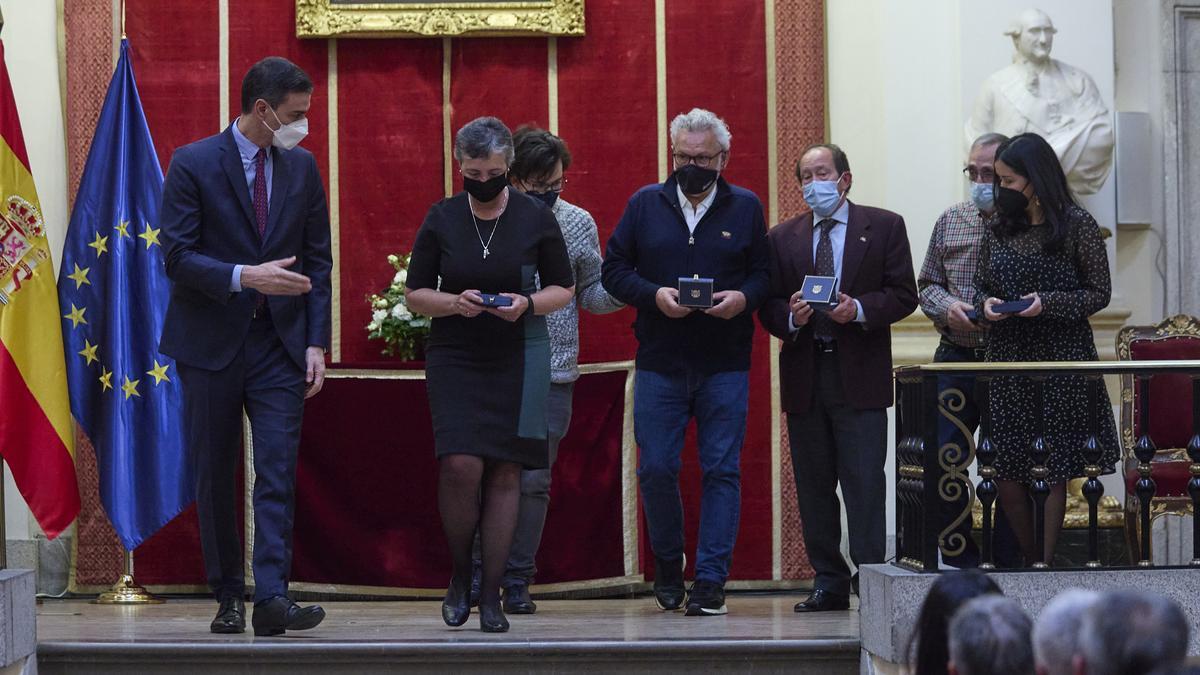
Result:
{"points": [[1042, 246]]}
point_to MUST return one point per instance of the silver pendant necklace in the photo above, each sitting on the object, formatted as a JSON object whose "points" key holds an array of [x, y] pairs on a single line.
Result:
{"points": [[488, 243]]}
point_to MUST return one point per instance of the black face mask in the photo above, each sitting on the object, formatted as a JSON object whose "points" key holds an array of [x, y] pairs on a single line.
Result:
{"points": [[485, 190], [549, 198], [1011, 202], [695, 180]]}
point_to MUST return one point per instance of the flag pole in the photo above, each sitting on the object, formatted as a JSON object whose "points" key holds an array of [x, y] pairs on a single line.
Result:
{"points": [[3, 516], [3, 525], [127, 591]]}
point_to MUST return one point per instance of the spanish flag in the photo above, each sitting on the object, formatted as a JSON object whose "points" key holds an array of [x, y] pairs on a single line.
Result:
{"points": [[36, 437]]}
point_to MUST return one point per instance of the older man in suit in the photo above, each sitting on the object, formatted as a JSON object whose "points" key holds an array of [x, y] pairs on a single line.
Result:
{"points": [[246, 231], [835, 365]]}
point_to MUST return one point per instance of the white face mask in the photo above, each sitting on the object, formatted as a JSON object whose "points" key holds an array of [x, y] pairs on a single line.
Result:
{"points": [[288, 136]]}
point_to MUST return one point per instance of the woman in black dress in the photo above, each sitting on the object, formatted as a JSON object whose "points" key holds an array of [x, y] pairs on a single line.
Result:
{"points": [[487, 368], [1043, 247]]}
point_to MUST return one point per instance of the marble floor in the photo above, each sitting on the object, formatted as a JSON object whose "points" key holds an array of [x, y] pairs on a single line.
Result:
{"points": [[75, 636]]}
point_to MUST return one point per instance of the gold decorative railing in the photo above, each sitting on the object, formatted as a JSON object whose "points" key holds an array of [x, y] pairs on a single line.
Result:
{"points": [[929, 473]]}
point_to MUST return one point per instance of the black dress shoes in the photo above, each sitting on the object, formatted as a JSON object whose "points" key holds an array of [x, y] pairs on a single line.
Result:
{"points": [[491, 618], [517, 600], [669, 592], [231, 617], [278, 615], [823, 601], [456, 607]]}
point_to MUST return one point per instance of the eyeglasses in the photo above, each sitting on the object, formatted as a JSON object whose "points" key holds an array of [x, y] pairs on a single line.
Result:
{"points": [[702, 161], [985, 176], [557, 186]]}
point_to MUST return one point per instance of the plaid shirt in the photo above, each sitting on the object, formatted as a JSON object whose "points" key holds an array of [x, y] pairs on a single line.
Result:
{"points": [[949, 270]]}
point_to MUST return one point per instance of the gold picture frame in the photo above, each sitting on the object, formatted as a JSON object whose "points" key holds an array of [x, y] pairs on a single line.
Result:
{"points": [[421, 18]]}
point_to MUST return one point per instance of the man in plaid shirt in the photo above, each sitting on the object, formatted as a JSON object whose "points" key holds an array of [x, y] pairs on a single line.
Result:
{"points": [[947, 292]]}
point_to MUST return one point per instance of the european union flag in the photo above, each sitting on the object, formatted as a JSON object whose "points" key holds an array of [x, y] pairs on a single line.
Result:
{"points": [[113, 292]]}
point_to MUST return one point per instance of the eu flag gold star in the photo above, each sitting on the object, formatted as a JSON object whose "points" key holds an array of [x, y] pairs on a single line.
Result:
{"points": [[150, 236], [89, 352], [105, 379], [100, 244], [130, 388], [79, 276], [159, 373], [123, 228], [76, 316]]}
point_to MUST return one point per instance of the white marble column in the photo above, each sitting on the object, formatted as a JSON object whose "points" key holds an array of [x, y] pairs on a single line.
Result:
{"points": [[1181, 152]]}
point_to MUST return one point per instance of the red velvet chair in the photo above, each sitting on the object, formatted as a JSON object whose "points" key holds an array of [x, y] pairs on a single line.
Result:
{"points": [[1174, 338]]}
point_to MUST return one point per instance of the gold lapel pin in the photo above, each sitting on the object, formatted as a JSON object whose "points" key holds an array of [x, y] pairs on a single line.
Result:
{"points": [[862, 239]]}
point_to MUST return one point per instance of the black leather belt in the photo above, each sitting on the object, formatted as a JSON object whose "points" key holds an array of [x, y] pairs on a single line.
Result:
{"points": [[974, 353]]}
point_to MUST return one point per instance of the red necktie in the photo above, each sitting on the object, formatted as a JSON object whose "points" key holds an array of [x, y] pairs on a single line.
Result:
{"points": [[260, 209], [260, 192]]}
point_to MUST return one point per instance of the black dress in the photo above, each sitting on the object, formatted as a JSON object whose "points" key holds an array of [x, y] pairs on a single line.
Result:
{"points": [[488, 378], [1073, 283]]}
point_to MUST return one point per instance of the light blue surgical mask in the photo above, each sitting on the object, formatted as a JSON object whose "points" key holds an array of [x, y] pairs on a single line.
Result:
{"points": [[984, 196], [823, 196]]}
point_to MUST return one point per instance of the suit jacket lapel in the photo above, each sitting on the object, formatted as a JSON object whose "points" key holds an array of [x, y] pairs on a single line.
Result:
{"points": [[804, 256], [231, 161], [857, 237], [280, 180]]}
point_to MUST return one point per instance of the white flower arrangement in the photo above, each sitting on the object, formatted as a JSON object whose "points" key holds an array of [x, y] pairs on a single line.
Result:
{"points": [[402, 331]]}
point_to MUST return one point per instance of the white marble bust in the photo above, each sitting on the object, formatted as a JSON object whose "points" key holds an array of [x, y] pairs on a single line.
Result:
{"points": [[1048, 97]]}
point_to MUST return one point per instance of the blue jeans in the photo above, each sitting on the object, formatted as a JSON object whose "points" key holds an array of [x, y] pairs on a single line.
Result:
{"points": [[663, 404]]}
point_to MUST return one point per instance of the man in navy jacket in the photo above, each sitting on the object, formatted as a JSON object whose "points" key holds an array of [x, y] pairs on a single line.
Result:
{"points": [[691, 362], [246, 232]]}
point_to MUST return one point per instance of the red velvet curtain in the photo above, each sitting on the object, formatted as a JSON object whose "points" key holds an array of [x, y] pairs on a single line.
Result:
{"points": [[389, 167]]}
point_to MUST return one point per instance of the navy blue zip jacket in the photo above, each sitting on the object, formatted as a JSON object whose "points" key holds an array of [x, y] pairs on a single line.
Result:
{"points": [[652, 248]]}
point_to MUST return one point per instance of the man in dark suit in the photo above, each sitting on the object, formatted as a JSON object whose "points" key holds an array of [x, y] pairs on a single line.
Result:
{"points": [[836, 366], [246, 231]]}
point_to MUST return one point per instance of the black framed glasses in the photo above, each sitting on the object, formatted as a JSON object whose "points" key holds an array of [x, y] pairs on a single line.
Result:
{"points": [[985, 176], [540, 187], [702, 161]]}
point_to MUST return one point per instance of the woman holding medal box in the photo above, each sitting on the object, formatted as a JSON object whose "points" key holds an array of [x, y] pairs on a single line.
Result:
{"points": [[487, 363], [1045, 250]]}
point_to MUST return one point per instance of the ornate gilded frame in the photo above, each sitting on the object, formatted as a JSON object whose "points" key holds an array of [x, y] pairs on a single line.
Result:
{"points": [[414, 18]]}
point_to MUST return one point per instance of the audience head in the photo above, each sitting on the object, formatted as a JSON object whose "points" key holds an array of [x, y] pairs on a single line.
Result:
{"points": [[1057, 629], [539, 163], [1029, 177], [927, 653], [990, 635], [484, 150], [981, 170], [1132, 632], [700, 150]]}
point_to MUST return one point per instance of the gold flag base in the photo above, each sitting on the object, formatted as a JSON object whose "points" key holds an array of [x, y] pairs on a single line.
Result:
{"points": [[127, 591]]}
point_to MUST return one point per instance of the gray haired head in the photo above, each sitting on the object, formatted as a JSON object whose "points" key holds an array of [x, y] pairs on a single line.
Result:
{"points": [[990, 635], [990, 138], [481, 138], [1056, 633], [699, 119], [1133, 632]]}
